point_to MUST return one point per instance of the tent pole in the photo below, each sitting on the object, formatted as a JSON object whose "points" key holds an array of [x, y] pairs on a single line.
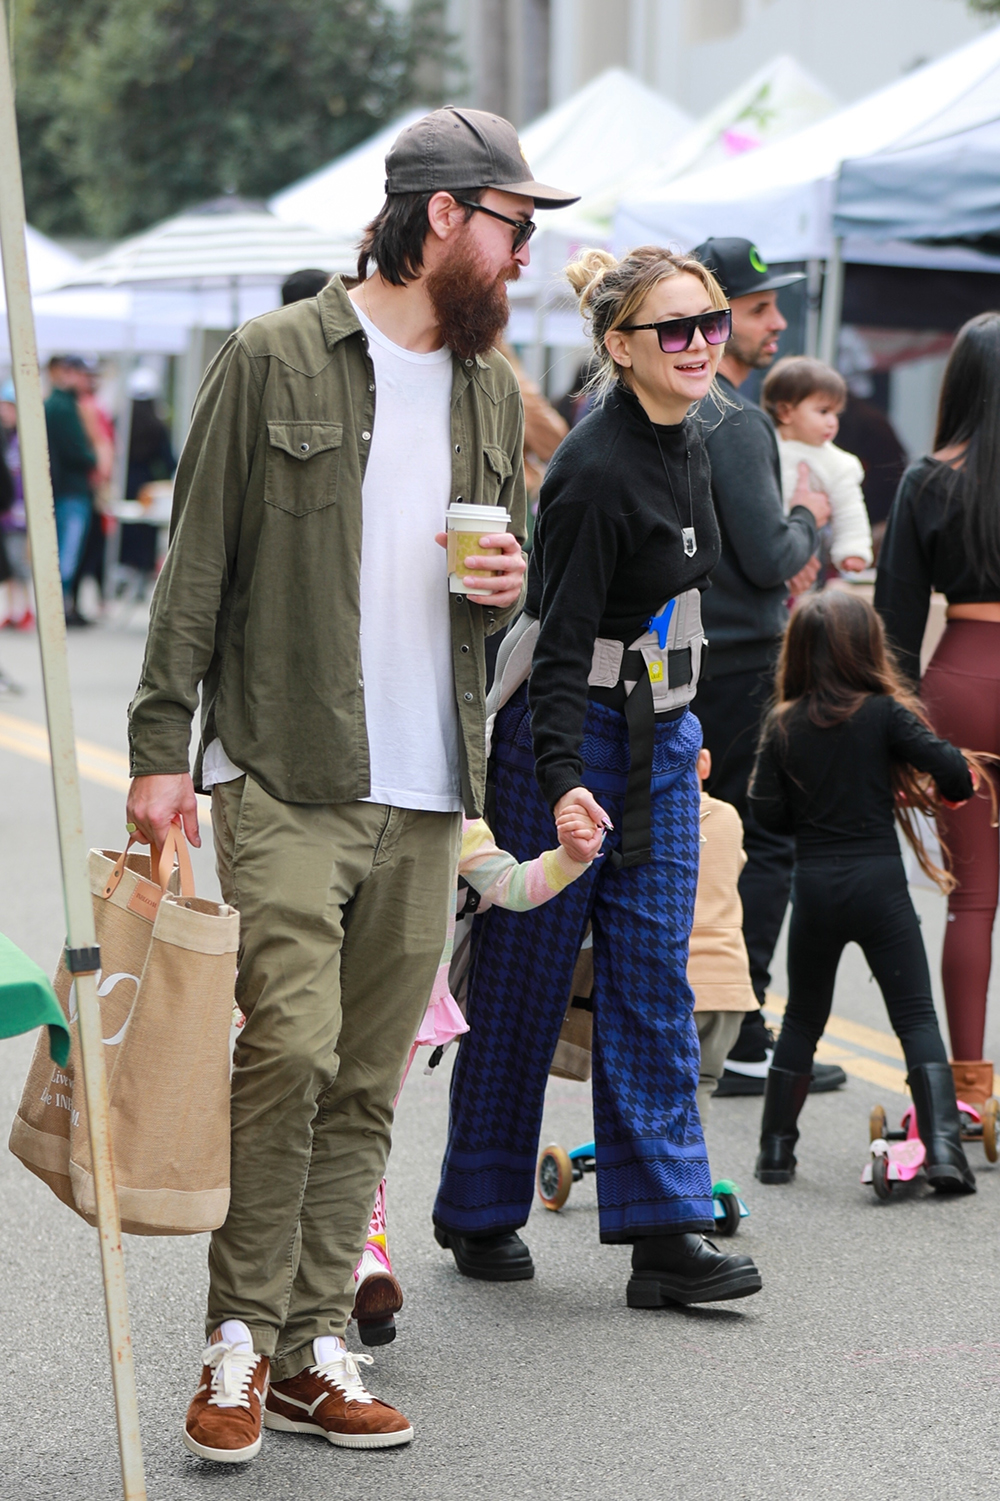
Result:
{"points": [[82, 955], [814, 283], [833, 303]]}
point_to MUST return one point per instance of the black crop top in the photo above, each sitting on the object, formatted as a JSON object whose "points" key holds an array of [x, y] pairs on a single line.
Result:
{"points": [[924, 549], [832, 788]]}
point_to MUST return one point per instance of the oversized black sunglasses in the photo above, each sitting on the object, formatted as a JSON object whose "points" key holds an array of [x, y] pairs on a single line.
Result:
{"points": [[523, 228], [676, 333]]}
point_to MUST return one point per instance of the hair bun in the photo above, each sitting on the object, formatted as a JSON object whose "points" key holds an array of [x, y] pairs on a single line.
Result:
{"points": [[586, 273]]}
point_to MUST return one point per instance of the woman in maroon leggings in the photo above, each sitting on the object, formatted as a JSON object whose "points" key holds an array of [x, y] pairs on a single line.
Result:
{"points": [[944, 533]]}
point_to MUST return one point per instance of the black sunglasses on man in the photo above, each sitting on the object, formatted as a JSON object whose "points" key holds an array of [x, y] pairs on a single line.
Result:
{"points": [[523, 228]]}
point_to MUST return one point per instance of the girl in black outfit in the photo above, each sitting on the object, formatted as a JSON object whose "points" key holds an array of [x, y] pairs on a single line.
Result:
{"points": [[845, 749]]}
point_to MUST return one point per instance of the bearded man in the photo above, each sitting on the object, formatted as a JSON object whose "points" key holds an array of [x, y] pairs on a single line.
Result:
{"points": [[766, 554], [342, 733]]}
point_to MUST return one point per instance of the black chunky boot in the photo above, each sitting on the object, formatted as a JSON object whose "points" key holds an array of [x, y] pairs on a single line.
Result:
{"points": [[784, 1096], [932, 1086], [687, 1268], [488, 1258]]}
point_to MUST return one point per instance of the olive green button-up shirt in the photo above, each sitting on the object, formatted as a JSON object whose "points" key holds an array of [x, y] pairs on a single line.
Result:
{"points": [[259, 598]]}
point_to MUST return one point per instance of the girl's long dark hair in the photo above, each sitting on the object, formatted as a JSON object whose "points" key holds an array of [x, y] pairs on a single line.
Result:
{"points": [[969, 413], [834, 655]]}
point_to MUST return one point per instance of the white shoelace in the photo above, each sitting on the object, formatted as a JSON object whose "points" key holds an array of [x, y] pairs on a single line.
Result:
{"points": [[343, 1372], [232, 1371]]}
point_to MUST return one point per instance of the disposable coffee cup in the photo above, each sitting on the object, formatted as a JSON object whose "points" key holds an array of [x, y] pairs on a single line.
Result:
{"points": [[465, 524]]}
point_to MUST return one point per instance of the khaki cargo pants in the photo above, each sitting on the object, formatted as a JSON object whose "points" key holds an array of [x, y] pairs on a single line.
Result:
{"points": [[344, 911]]}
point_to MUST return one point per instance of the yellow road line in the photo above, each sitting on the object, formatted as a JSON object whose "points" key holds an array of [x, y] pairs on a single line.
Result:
{"points": [[97, 763], [848, 1031], [885, 1075]]}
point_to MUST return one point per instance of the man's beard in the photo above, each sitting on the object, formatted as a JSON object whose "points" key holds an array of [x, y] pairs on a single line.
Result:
{"points": [[751, 355], [471, 311]]}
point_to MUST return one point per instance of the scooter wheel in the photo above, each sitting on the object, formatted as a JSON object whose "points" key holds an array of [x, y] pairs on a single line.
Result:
{"points": [[877, 1123], [731, 1221], [991, 1114], [555, 1177], [881, 1182]]}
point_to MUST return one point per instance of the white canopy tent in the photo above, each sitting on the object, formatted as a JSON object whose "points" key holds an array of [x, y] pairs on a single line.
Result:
{"points": [[94, 322], [782, 196], [229, 256], [775, 102], [215, 266], [608, 130]]}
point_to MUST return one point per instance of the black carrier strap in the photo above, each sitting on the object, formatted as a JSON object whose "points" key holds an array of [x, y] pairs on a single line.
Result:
{"points": [[637, 837], [636, 846]]}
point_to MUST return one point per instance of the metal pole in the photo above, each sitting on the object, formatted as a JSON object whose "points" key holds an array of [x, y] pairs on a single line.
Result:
{"points": [[814, 282], [82, 955], [833, 302]]}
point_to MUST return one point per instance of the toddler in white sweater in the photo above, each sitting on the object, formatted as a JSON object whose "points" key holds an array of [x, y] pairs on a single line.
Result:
{"points": [[804, 398]]}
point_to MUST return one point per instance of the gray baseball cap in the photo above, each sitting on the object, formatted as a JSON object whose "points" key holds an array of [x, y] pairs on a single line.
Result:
{"points": [[465, 148]]}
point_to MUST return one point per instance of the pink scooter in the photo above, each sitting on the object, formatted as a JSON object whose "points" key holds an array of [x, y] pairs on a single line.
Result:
{"points": [[898, 1156]]}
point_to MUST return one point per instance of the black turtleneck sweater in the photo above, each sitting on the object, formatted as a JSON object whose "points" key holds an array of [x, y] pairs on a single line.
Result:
{"points": [[607, 554]]}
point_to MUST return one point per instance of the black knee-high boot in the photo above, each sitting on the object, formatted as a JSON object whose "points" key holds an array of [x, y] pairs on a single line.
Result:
{"points": [[932, 1086], [784, 1096]]}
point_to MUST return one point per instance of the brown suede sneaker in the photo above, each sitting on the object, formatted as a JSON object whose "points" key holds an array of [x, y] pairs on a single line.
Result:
{"points": [[329, 1399], [224, 1420]]}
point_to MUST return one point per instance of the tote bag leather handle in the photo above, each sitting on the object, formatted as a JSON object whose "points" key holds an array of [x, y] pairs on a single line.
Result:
{"points": [[161, 863]]}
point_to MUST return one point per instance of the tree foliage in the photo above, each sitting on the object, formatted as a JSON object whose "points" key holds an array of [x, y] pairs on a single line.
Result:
{"points": [[986, 5], [130, 110]]}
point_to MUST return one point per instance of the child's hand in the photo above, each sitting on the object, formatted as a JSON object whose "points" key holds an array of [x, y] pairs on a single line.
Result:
{"points": [[853, 565], [579, 836], [975, 788]]}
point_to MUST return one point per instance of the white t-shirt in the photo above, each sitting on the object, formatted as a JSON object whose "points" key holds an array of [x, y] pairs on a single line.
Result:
{"points": [[410, 709]]}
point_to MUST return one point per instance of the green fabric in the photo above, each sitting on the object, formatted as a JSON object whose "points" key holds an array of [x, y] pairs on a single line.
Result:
{"points": [[259, 598], [70, 453], [27, 1000]]}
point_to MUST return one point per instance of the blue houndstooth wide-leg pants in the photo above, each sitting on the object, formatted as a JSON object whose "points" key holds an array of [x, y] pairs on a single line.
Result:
{"points": [[652, 1168]]}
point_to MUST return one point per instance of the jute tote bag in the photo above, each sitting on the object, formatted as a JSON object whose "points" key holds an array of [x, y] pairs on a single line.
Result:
{"points": [[166, 995]]}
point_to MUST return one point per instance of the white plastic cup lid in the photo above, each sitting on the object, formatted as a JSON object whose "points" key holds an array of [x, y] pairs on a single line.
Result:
{"points": [[494, 518]]}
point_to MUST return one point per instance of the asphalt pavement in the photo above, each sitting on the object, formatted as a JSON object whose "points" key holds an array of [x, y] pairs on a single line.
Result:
{"points": [[868, 1368]]}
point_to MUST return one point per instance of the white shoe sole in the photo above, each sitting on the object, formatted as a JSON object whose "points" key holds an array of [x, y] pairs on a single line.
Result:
{"points": [[222, 1456], [342, 1440]]}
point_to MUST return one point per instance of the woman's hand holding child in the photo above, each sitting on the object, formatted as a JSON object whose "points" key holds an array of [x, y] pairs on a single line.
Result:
{"points": [[581, 824]]}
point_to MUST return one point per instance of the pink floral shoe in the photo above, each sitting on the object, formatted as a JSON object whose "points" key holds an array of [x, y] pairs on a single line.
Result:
{"points": [[378, 1296]]}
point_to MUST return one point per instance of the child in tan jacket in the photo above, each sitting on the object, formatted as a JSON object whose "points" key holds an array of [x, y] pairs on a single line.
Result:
{"points": [[718, 968]]}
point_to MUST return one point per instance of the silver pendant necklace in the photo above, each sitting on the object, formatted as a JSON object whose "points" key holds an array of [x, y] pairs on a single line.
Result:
{"points": [[689, 541]]}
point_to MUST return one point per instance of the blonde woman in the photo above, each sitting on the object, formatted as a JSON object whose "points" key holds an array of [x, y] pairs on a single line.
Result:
{"points": [[625, 542]]}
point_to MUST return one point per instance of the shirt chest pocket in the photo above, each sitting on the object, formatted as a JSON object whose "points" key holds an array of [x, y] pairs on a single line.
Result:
{"points": [[496, 472], [303, 465]]}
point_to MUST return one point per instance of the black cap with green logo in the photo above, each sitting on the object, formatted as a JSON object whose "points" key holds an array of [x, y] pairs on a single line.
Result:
{"points": [[465, 148], [740, 269]]}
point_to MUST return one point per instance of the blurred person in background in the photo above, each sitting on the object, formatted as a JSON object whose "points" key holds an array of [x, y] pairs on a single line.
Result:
{"points": [[73, 460], [866, 431], [6, 501], [100, 429], [943, 534], [544, 430], [579, 399], [765, 554], [18, 613], [303, 284], [150, 458]]}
